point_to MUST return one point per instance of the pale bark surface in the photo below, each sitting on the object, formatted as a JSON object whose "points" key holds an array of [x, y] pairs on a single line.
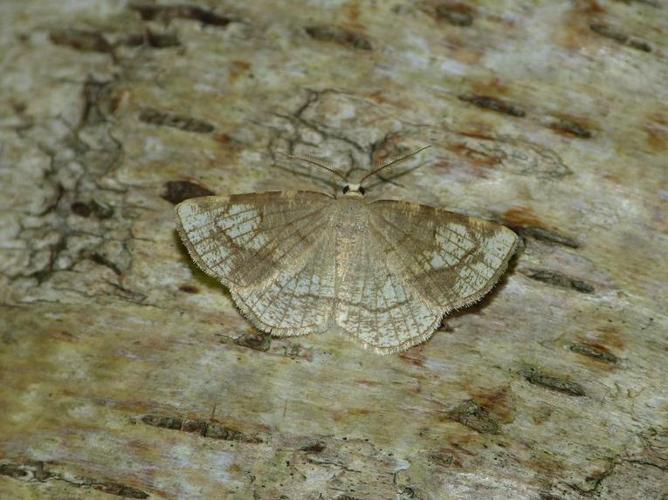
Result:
{"points": [[125, 371]]}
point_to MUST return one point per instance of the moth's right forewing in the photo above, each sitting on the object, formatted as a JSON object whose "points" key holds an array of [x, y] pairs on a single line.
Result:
{"points": [[243, 240], [453, 260]]}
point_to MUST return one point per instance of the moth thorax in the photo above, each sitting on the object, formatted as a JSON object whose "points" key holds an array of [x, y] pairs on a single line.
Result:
{"points": [[353, 190]]}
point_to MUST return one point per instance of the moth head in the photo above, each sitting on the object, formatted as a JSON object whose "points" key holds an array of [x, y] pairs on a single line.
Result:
{"points": [[356, 189], [353, 190]]}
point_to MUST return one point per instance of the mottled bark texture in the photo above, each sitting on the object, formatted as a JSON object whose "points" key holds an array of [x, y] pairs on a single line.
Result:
{"points": [[125, 371]]}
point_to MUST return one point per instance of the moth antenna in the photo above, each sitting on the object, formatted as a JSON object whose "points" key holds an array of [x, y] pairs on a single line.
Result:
{"points": [[393, 162], [313, 162]]}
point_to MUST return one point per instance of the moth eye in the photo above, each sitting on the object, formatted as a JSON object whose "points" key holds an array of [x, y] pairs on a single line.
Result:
{"points": [[345, 189], [362, 190]]}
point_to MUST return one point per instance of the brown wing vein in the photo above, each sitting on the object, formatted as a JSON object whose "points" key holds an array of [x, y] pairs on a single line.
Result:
{"points": [[362, 292], [227, 228], [284, 253], [308, 294], [292, 296], [460, 261], [394, 288], [402, 258], [269, 242], [410, 237], [264, 230], [387, 309]]}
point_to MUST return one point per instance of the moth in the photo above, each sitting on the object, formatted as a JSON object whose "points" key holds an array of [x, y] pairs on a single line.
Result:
{"points": [[385, 271]]}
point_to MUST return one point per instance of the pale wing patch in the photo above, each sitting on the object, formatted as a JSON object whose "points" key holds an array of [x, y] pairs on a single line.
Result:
{"points": [[453, 236]]}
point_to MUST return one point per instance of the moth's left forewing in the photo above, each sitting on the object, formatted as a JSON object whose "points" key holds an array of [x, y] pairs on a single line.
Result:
{"points": [[273, 250], [195, 219], [243, 240]]}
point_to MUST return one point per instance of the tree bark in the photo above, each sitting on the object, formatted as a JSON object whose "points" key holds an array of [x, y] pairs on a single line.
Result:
{"points": [[126, 372]]}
